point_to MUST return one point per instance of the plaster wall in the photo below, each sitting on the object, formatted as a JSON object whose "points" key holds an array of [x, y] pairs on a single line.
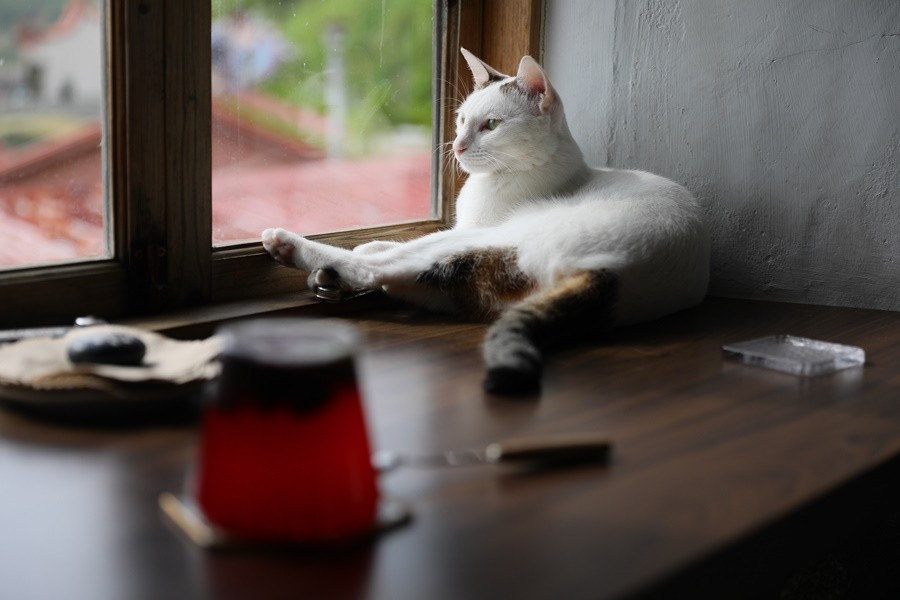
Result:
{"points": [[782, 116]]}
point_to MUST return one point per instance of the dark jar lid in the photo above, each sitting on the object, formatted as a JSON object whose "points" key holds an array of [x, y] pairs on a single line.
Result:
{"points": [[275, 361]]}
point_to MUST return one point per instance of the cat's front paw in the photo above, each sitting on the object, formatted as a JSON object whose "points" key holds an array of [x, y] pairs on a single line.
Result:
{"points": [[281, 245], [326, 285]]}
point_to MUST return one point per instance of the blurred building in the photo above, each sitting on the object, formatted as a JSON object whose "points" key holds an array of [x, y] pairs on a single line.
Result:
{"points": [[62, 65]]}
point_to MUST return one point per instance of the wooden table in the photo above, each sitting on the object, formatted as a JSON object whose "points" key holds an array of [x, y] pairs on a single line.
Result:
{"points": [[726, 479]]}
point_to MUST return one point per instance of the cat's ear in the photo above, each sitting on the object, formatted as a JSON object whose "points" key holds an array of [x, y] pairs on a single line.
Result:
{"points": [[533, 80], [482, 72]]}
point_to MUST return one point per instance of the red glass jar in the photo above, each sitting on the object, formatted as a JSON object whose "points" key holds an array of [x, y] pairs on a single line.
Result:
{"points": [[284, 453]]}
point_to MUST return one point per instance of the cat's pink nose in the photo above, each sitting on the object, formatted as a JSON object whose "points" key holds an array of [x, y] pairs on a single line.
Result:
{"points": [[459, 146]]}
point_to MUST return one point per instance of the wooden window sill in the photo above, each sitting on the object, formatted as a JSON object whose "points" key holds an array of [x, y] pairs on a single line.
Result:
{"points": [[201, 321]]}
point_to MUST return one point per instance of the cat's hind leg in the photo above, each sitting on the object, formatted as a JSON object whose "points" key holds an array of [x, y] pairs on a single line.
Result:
{"points": [[577, 306], [479, 282]]}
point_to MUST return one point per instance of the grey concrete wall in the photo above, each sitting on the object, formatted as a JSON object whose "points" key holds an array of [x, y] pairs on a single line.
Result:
{"points": [[783, 116]]}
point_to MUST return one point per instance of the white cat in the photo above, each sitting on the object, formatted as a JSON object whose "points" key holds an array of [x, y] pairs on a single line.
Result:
{"points": [[551, 249]]}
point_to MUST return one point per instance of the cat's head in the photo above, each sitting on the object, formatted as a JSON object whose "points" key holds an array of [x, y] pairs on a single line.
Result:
{"points": [[508, 123]]}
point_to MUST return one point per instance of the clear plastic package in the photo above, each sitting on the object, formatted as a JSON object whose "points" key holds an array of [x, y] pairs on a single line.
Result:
{"points": [[797, 355]]}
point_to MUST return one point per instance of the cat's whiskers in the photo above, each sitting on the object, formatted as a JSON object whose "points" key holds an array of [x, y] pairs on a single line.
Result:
{"points": [[457, 92], [448, 157], [445, 149], [497, 155], [523, 186], [490, 158], [456, 88], [496, 162]]}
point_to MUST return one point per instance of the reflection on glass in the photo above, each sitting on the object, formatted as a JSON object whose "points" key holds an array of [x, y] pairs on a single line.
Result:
{"points": [[321, 114], [51, 93]]}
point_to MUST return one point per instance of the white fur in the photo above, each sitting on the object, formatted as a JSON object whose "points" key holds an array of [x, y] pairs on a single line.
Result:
{"points": [[529, 188]]}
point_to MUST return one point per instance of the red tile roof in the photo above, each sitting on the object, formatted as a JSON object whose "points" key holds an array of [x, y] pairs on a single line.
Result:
{"points": [[319, 196], [51, 196]]}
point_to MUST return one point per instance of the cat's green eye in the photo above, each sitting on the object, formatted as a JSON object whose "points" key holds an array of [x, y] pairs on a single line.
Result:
{"points": [[491, 124]]}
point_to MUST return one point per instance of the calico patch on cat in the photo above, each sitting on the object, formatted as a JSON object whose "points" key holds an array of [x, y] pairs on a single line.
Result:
{"points": [[548, 249], [481, 282]]}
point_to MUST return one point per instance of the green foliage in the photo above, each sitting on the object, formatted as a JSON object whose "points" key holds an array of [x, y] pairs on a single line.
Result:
{"points": [[387, 55]]}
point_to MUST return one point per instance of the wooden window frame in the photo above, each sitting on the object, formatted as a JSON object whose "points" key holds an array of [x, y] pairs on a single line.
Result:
{"points": [[159, 172]]}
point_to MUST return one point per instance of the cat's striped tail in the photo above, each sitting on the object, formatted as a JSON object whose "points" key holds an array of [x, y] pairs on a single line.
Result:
{"points": [[579, 306]]}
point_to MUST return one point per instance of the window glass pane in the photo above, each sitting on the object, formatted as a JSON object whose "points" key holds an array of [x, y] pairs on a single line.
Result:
{"points": [[52, 205], [321, 114]]}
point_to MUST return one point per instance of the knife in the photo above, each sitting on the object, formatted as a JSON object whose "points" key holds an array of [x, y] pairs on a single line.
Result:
{"points": [[12, 335], [546, 450]]}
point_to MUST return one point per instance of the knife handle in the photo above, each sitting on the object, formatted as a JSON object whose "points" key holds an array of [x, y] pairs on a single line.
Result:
{"points": [[551, 448]]}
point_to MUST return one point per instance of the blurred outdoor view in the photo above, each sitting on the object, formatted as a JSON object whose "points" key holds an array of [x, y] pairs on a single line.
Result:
{"points": [[321, 114], [321, 120], [51, 191]]}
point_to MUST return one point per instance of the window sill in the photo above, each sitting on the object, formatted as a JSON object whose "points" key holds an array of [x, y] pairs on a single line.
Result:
{"points": [[200, 322]]}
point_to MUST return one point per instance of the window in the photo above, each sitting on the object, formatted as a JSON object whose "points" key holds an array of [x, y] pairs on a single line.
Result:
{"points": [[321, 115], [159, 175], [52, 205]]}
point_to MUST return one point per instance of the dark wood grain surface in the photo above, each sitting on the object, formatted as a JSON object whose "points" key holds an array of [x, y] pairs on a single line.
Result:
{"points": [[712, 459]]}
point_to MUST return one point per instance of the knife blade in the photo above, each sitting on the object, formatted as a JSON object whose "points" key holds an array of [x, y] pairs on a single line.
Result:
{"points": [[548, 449], [14, 335]]}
